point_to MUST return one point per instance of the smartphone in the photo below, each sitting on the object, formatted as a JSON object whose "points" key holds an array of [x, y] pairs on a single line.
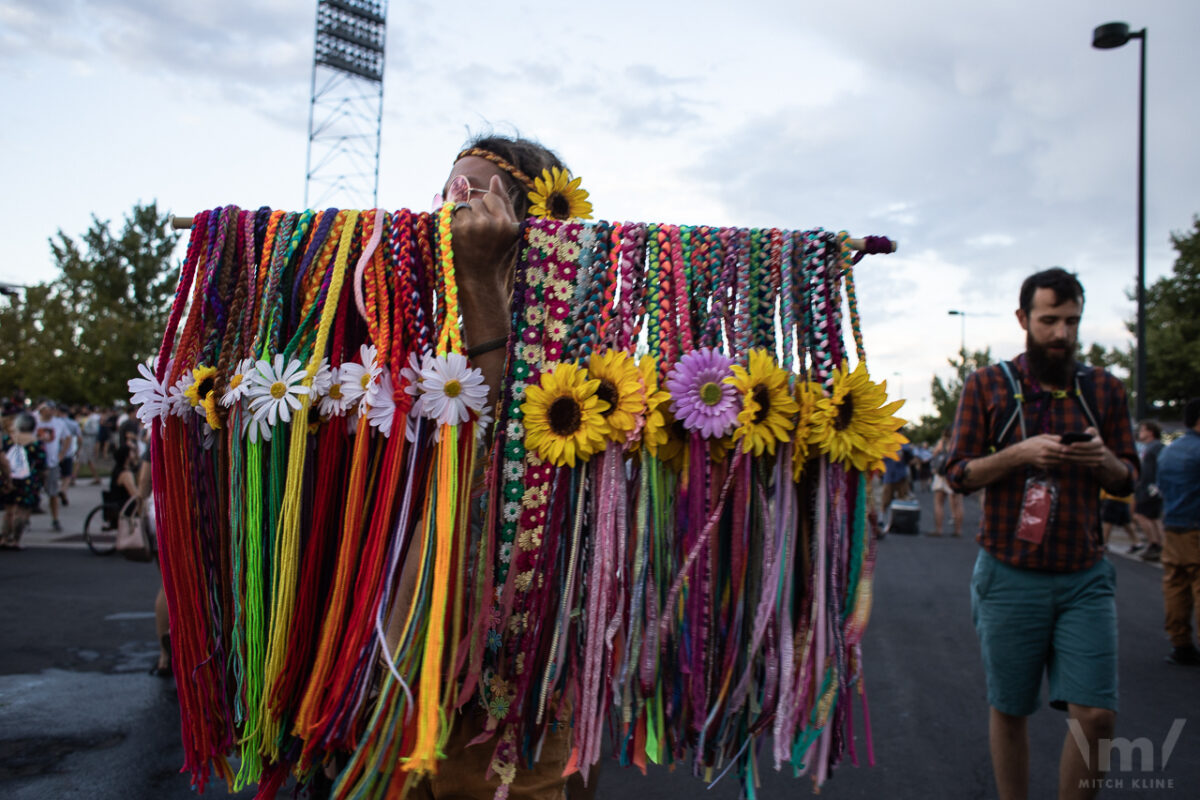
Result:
{"points": [[1071, 437]]}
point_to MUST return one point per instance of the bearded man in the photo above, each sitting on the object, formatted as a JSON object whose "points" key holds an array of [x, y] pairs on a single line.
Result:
{"points": [[1044, 436]]}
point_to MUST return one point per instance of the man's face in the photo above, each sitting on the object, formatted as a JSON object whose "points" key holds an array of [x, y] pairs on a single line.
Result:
{"points": [[1051, 335], [45, 413], [1144, 434]]}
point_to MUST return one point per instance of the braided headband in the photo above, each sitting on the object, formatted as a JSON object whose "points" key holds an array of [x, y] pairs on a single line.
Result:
{"points": [[488, 155]]}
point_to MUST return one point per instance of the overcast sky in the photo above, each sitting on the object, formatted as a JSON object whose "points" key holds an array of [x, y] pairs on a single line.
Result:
{"points": [[989, 138]]}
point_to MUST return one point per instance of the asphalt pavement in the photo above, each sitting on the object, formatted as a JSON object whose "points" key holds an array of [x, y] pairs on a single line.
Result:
{"points": [[80, 716]]}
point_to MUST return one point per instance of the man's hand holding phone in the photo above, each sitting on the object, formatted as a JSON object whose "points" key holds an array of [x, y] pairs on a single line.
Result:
{"points": [[1084, 448]]}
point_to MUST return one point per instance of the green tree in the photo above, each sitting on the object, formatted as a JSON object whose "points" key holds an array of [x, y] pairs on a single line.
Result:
{"points": [[945, 395], [1173, 327], [78, 337]]}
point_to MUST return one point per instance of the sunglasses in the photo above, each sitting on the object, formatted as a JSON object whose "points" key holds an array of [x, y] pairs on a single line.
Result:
{"points": [[457, 191]]}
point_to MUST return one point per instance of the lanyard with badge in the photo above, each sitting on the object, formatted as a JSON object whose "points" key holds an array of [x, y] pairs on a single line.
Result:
{"points": [[1039, 501]]}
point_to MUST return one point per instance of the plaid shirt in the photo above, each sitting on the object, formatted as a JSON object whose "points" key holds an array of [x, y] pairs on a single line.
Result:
{"points": [[1072, 541]]}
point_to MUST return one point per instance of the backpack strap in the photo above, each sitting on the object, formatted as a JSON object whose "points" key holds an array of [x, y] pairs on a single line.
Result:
{"points": [[1085, 393], [1013, 411]]}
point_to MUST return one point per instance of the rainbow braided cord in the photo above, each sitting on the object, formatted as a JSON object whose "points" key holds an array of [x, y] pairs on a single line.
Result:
{"points": [[681, 265], [787, 300], [846, 256], [608, 285], [656, 302]]}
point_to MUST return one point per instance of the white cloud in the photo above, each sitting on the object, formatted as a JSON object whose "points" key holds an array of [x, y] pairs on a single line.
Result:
{"points": [[984, 240]]}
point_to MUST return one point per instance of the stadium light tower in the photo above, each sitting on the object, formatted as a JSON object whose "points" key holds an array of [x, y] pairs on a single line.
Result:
{"points": [[345, 117]]}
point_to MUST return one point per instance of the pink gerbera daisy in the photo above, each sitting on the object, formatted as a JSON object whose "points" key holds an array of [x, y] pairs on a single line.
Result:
{"points": [[700, 398]]}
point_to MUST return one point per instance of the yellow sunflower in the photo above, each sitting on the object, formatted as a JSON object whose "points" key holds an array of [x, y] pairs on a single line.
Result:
{"points": [[767, 405], [621, 389], [204, 380], [210, 410], [674, 451], [855, 425], [202, 393], [556, 195], [564, 417], [807, 395], [720, 448], [658, 401]]}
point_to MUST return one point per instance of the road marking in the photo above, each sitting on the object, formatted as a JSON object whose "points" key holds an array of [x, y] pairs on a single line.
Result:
{"points": [[130, 615]]}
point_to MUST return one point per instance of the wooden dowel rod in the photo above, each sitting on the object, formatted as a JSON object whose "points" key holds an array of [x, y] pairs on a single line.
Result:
{"points": [[857, 244]]}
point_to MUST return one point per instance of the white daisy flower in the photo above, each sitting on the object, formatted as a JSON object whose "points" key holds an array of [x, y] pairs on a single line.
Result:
{"points": [[255, 429], [237, 383], [148, 393], [381, 406], [412, 387], [483, 422], [323, 379], [177, 400], [208, 437], [412, 376], [357, 378], [275, 390], [451, 390], [333, 402]]}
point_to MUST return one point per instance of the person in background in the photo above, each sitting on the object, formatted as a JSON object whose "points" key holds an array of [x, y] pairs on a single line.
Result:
{"points": [[942, 490], [123, 482], [54, 435], [88, 447], [25, 458], [1115, 513], [66, 461], [1147, 501], [1179, 481], [131, 433], [896, 484], [6, 476], [921, 472], [1043, 596], [104, 435], [14, 404]]}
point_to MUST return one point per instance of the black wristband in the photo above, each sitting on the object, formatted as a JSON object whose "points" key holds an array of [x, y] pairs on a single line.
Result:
{"points": [[486, 347]]}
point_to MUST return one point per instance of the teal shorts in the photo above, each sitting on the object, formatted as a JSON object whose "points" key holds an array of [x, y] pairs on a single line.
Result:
{"points": [[1063, 624]]}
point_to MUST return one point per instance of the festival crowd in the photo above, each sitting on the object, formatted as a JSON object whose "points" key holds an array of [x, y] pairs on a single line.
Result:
{"points": [[48, 448]]}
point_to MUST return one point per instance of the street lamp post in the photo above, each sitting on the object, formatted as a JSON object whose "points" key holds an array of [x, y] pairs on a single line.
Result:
{"points": [[1107, 37]]}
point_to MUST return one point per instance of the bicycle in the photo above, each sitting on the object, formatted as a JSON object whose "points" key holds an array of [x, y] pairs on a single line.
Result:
{"points": [[100, 527]]}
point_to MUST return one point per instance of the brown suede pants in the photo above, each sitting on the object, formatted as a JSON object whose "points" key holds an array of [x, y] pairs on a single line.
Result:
{"points": [[1181, 584]]}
